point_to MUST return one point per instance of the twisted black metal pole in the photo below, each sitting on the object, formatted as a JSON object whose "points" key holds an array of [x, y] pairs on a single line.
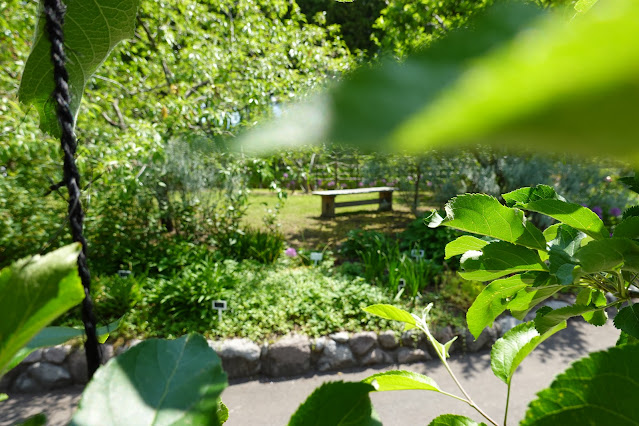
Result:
{"points": [[54, 12]]}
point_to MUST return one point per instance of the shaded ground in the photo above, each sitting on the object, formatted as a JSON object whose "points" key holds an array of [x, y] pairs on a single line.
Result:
{"points": [[271, 402]]}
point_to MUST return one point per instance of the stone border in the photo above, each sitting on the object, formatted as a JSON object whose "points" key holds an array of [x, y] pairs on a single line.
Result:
{"points": [[291, 355]]}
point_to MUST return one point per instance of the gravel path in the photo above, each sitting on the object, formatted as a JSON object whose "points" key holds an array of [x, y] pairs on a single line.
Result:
{"points": [[266, 402]]}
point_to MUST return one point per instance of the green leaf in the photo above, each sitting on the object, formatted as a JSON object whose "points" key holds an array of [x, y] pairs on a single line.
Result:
{"points": [[574, 215], [628, 228], [631, 212], [52, 336], [632, 182], [392, 313], [499, 259], [401, 380], [36, 291], [579, 102], [528, 298], [546, 320], [336, 403], [509, 351], [491, 302], [608, 255], [583, 6], [454, 420], [550, 233], [3, 397], [158, 382], [222, 412], [91, 29], [625, 339], [484, 215], [601, 389], [627, 320], [463, 244], [527, 194], [562, 250], [594, 298], [36, 420]]}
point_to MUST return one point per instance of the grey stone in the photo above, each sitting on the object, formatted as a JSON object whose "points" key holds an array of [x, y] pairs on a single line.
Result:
{"points": [[240, 357], [56, 354], [24, 383], [107, 352], [487, 337], [318, 344], [412, 338], [50, 376], [335, 356], [388, 339], [288, 356], [377, 356], [77, 365], [505, 323], [407, 355], [34, 356], [341, 337], [363, 342], [263, 350]]}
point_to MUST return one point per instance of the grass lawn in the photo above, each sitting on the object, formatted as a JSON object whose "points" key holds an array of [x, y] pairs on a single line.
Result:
{"points": [[302, 226]]}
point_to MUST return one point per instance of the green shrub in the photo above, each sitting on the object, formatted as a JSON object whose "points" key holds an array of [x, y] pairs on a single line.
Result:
{"points": [[262, 246], [419, 236]]}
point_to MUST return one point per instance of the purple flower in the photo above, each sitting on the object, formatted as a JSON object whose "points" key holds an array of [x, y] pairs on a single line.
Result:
{"points": [[383, 180], [361, 184], [285, 175], [615, 211], [319, 182], [290, 252], [429, 183], [344, 185], [598, 211], [410, 178], [331, 183]]}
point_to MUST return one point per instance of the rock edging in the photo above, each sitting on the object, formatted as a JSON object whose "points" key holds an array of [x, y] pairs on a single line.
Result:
{"points": [[291, 355]]}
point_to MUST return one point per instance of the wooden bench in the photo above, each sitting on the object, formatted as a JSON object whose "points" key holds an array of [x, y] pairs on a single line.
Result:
{"points": [[385, 199]]}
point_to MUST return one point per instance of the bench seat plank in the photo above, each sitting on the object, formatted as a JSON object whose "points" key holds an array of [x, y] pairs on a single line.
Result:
{"points": [[354, 191]]}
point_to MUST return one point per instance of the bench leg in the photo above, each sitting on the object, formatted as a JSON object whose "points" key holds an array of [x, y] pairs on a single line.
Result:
{"points": [[328, 206], [385, 201]]}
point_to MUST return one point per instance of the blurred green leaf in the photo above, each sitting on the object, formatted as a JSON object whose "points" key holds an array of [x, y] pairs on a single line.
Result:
{"points": [[598, 390], [337, 403], [401, 380], [51, 336], [158, 382], [627, 228], [509, 351], [33, 292], [91, 30], [491, 302], [484, 215], [528, 194]]}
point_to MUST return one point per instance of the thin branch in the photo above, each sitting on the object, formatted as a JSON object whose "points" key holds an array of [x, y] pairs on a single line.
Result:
{"points": [[195, 88], [168, 75]]}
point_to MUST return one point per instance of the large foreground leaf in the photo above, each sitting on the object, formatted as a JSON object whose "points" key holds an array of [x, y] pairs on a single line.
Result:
{"points": [[33, 292], [401, 380], [509, 351], [337, 403], [463, 244], [601, 389], [491, 302], [158, 382], [91, 29], [547, 318], [52, 336], [484, 215]]}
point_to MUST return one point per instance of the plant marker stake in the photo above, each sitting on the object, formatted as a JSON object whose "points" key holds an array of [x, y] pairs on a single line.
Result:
{"points": [[219, 306], [316, 257], [417, 254]]}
